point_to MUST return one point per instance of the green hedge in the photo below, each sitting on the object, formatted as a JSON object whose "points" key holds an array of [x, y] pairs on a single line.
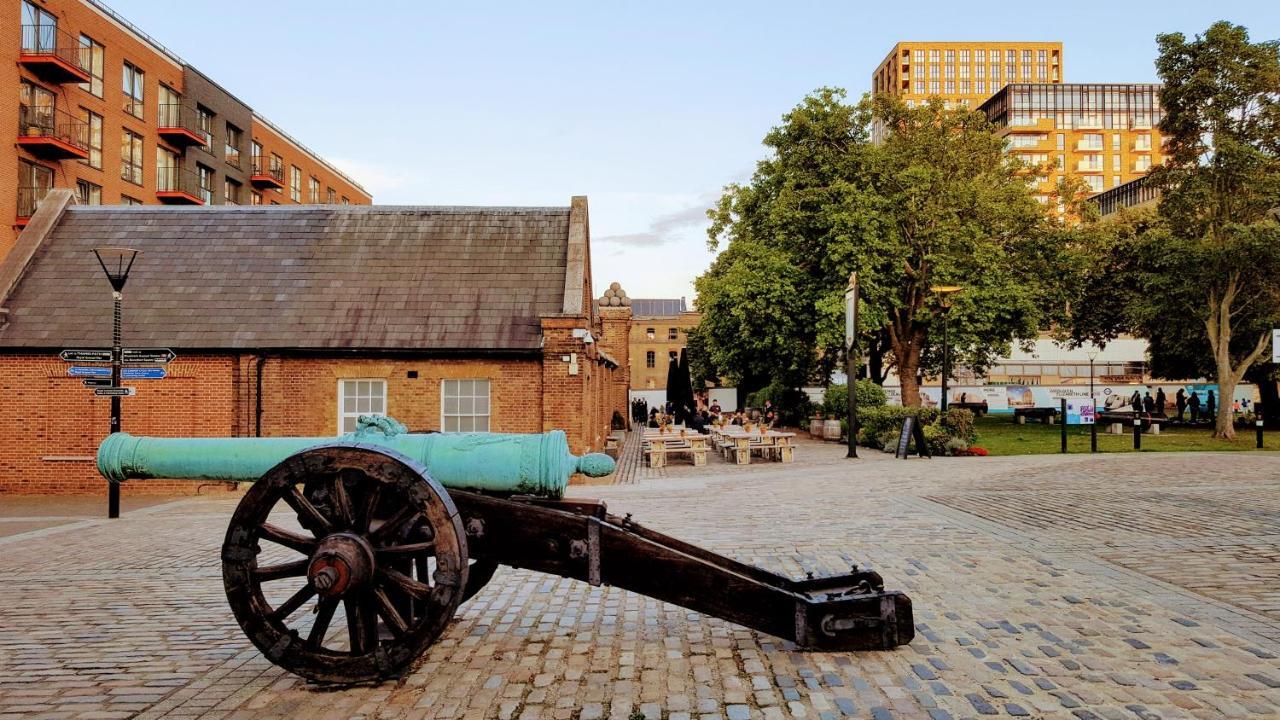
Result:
{"points": [[791, 404], [881, 427], [835, 403]]}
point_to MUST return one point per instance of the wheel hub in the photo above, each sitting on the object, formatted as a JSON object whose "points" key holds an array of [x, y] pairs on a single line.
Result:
{"points": [[343, 562]]}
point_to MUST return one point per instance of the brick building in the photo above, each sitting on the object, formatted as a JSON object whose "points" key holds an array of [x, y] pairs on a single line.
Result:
{"points": [[293, 321], [659, 329], [97, 106]]}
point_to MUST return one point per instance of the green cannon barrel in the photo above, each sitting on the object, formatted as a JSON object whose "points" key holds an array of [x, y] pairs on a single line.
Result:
{"points": [[538, 464]]}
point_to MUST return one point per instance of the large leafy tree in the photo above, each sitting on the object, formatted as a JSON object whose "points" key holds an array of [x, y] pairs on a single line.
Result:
{"points": [[936, 202], [1211, 268]]}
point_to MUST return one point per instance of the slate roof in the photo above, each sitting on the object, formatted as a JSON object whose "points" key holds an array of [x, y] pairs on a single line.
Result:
{"points": [[317, 277], [661, 307]]}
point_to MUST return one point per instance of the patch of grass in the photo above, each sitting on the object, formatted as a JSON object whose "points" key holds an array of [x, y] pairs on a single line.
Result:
{"points": [[1000, 435]]}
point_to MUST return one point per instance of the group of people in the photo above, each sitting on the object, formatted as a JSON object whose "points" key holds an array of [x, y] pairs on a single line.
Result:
{"points": [[1185, 404], [698, 419]]}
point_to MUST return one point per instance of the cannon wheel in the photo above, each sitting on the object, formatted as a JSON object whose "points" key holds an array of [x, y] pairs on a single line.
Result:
{"points": [[380, 541]]}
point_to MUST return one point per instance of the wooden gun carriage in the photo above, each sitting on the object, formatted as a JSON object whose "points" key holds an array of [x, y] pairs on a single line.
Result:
{"points": [[363, 525]]}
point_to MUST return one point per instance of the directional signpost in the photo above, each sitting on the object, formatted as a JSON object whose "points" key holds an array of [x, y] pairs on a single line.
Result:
{"points": [[86, 356], [147, 356], [95, 382], [115, 391], [142, 373], [88, 371]]}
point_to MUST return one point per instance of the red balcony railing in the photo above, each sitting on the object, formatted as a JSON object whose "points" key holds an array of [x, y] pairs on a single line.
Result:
{"points": [[54, 55], [52, 134], [179, 125], [178, 186], [266, 174]]}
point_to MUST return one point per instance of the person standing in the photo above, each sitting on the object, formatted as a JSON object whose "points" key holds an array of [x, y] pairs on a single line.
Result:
{"points": [[1161, 401], [1181, 401], [1193, 405], [1149, 404], [1211, 407], [1135, 401]]}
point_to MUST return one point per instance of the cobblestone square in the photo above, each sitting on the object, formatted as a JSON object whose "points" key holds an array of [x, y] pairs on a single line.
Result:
{"points": [[1045, 586]]}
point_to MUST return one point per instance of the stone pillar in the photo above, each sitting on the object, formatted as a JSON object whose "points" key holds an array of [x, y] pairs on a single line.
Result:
{"points": [[614, 311]]}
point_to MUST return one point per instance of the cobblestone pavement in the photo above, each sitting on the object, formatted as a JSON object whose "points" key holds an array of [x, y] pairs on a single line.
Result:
{"points": [[1048, 586]]}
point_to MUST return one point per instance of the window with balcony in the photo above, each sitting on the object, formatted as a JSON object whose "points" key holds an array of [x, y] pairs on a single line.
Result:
{"points": [[92, 59], [204, 124], [88, 193], [295, 183], [277, 169], [133, 85], [255, 157], [131, 157], [1090, 141], [205, 176], [170, 108], [1090, 163], [231, 149], [34, 182], [313, 191], [93, 124], [1022, 140], [230, 191], [1094, 182], [1142, 163], [167, 164], [37, 107]]}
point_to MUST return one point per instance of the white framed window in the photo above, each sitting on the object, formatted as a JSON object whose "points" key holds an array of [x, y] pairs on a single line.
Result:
{"points": [[464, 405], [360, 396]]}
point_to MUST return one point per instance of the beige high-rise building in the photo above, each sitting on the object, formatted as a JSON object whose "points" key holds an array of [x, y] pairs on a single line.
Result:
{"points": [[964, 73]]}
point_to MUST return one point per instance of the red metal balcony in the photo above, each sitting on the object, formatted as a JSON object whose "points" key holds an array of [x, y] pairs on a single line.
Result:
{"points": [[179, 126], [264, 175], [176, 186], [53, 55], [52, 134], [28, 201]]}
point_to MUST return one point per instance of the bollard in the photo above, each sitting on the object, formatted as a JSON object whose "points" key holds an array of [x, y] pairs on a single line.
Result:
{"points": [[1137, 431], [1093, 434], [1064, 425], [1257, 425]]}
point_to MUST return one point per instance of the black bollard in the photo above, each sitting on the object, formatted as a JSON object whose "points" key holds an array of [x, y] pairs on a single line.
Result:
{"points": [[1093, 434], [1137, 431], [1064, 425], [1257, 422]]}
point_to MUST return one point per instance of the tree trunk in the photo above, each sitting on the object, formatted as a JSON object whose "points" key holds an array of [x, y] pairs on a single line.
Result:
{"points": [[907, 356]]}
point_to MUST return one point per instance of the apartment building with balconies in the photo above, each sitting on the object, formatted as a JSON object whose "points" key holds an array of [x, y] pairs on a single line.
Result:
{"points": [[1105, 134], [964, 74], [103, 109]]}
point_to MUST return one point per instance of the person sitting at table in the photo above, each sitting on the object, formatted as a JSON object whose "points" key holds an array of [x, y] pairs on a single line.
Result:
{"points": [[653, 418]]}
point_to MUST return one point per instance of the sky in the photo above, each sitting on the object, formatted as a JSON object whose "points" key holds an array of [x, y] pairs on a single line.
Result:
{"points": [[647, 108]]}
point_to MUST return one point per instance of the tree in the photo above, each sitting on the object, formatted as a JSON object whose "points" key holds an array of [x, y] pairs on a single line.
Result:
{"points": [[937, 202], [1214, 261]]}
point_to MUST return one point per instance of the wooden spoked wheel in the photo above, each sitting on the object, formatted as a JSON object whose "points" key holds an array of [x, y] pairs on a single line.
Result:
{"points": [[346, 530]]}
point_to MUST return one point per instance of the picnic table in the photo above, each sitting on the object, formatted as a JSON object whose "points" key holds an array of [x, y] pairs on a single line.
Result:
{"points": [[659, 444], [736, 442]]}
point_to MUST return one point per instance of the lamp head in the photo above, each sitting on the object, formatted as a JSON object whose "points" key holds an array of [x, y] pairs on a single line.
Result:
{"points": [[944, 293], [116, 263]]}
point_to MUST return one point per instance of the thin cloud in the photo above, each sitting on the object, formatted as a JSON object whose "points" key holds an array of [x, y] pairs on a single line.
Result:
{"points": [[664, 229]]}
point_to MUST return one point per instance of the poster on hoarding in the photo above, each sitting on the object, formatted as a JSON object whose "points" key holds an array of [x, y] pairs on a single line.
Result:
{"points": [[1080, 411]]}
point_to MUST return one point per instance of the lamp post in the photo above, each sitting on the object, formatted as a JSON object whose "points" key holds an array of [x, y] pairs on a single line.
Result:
{"points": [[1093, 354], [851, 358], [944, 305], [116, 262], [1093, 428]]}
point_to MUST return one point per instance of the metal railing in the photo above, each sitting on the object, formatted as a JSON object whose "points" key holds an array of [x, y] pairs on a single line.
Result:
{"points": [[261, 166], [1130, 194], [177, 115], [181, 180], [53, 123], [29, 199], [49, 41]]}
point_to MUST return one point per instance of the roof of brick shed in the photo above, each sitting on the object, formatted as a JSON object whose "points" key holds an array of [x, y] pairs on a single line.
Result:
{"points": [[312, 277]]}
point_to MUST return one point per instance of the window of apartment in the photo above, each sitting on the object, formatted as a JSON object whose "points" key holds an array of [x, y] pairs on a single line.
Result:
{"points": [[1115, 141], [1034, 159], [205, 175], [919, 87], [360, 397], [1094, 182], [950, 56], [89, 193], [673, 334], [949, 71], [1115, 161], [170, 107], [34, 181], [126, 200], [131, 157], [345, 201], [166, 170], [277, 169], [1141, 142], [1042, 72], [1142, 163], [981, 87], [255, 156], [951, 87], [230, 191], [935, 86], [964, 56], [964, 87], [980, 72], [1091, 163], [91, 57], [1026, 72], [331, 197], [919, 55], [314, 191], [93, 131], [650, 359], [1021, 140], [1090, 141], [257, 198], [464, 405], [651, 333], [1062, 163], [964, 72], [933, 56], [204, 121], [295, 183], [40, 31], [1115, 181], [37, 107], [133, 84], [231, 151], [1062, 141]]}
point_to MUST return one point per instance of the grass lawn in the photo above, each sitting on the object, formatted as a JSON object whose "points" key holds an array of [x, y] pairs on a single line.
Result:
{"points": [[1000, 435]]}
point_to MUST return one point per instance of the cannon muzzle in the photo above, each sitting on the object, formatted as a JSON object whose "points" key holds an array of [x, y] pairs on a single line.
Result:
{"points": [[534, 464]]}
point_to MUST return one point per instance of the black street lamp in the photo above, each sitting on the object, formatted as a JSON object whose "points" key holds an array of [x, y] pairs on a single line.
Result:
{"points": [[1093, 354], [944, 305], [116, 262]]}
